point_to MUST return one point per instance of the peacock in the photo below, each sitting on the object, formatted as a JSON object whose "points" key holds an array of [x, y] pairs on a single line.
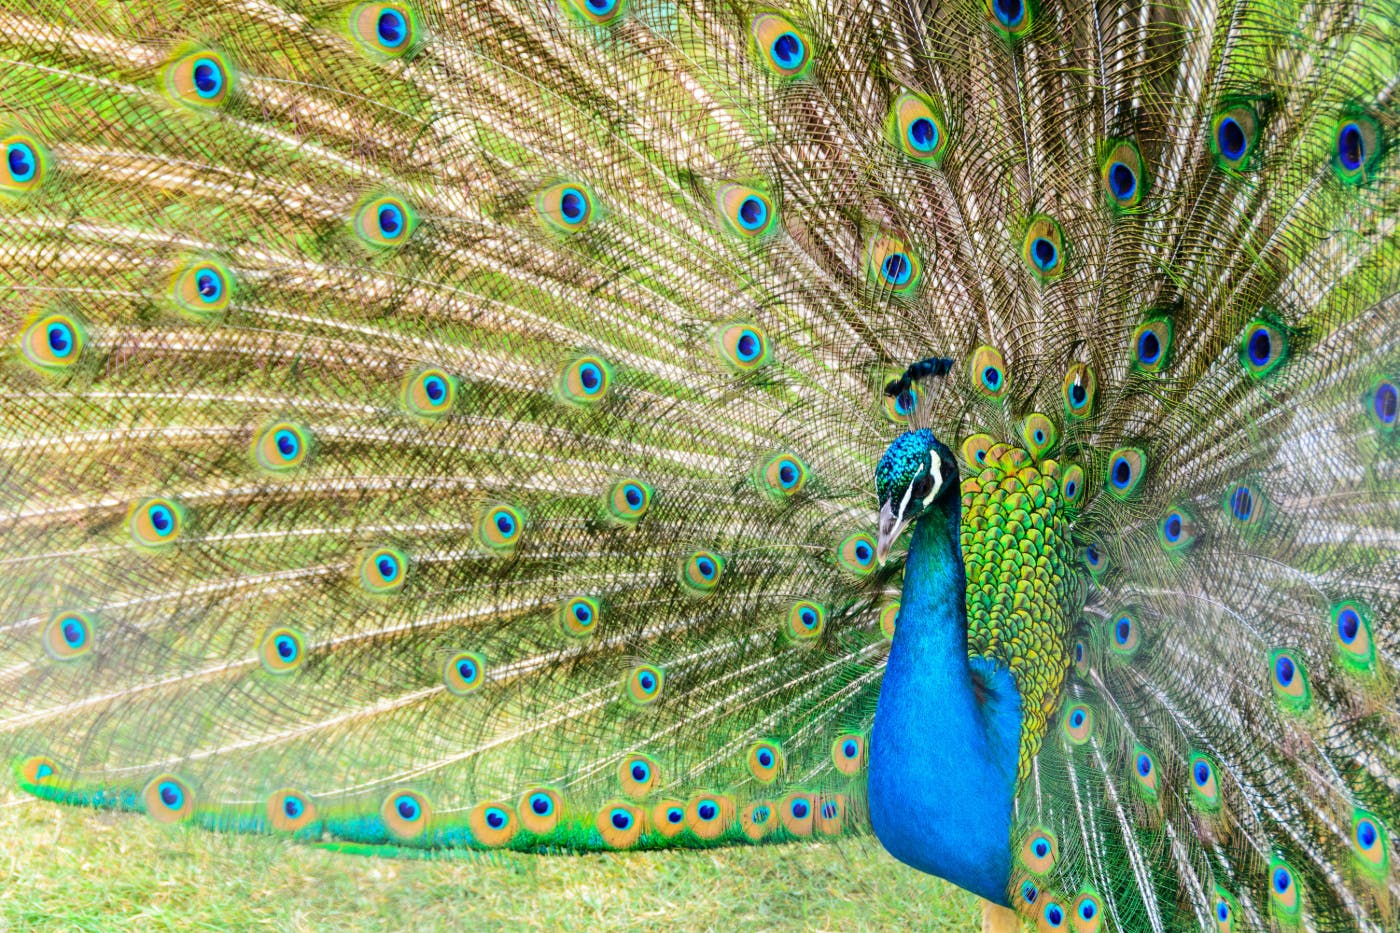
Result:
{"points": [[567, 426]]}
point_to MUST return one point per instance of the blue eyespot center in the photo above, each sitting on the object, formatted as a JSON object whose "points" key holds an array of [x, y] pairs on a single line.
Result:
{"points": [[674, 815], [390, 220], [761, 814], [904, 403], [1282, 881], [170, 794], [1351, 147], [1091, 554], [391, 28], [1078, 395], [748, 346], [1366, 834], [621, 819], [388, 567], [788, 50], [647, 681], [1079, 651], [1172, 528], [1242, 503], [286, 647], [1044, 253], [1122, 473], [752, 213], [541, 804], [583, 613], [808, 617], [640, 772], [897, 269], [1386, 402], [590, 377], [161, 520], [208, 78], [1231, 139], [829, 810], [407, 808], [1008, 12], [21, 161], [291, 807], [1149, 348], [1087, 910], [1144, 765], [1222, 911], [1041, 848], [1202, 773], [1054, 915], [1029, 892], [800, 809], [435, 389], [706, 567], [1123, 630], [209, 285], [923, 134], [863, 552], [287, 444], [765, 758], [60, 338], [992, 377], [505, 523], [1122, 181], [466, 670], [1284, 670], [1348, 625], [495, 818], [1076, 718], [572, 205], [74, 633], [1260, 347], [1071, 488], [707, 811], [787, 473]]}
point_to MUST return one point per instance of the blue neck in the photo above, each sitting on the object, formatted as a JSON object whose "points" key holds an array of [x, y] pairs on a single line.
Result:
{"points": [[943, 752]]}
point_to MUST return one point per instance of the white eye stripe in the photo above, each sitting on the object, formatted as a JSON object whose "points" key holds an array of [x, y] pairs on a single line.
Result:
{"points": [[936, 472]]}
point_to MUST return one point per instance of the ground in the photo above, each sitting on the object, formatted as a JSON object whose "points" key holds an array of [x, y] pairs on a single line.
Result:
{"points": [[77, 871]]}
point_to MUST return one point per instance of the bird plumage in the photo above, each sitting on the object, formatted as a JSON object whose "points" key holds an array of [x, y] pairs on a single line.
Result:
{"points": [[452, 426]]}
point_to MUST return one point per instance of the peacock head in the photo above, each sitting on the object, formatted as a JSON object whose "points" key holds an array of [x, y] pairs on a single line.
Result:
{"points": [[915, 472]]}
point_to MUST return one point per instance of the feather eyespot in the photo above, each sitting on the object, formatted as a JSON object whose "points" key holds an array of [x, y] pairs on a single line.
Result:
{"points": [[1370, 843], [891, 264], [53, 342], [384, 222], [281, 447], [1152, 342], [1263, 348], [701, 572], [1072, 485], [597, 12], [493, 823], [500, 527], [848, 753], [1123, 175], [1079, 388], [1145, 774], [585, 381], [406, 814], [638, 775], [26, 163], [281, 651], [1351, 629], [765, 761], [709, 815], [987, 372], [628, 501], [918, 128], [1078, 723], [1245, 504], [579, 616], [1040, 435], [1011, 18], [805, 621], [1223, 912], [1039, 851], [643, 685], [746, 211], [1080, 654], [1289, 679], [1284, 895], [1383, 402], [856, 553], [900, 406], [429, 393], [743, 346], [668, 818], [888, 616], [1176, 531], [1094, 559], [540, 809], [783, 476], [68, 635], [1086, 915], [201, 289], [1124, 634], [155, 523], [757, 820], [168, 799], [1044, 248], [785, 49], [795, 811], [1052, 916], [464, 673], [383, 570], [387, 30], [567, 207], [1234, 135], [200, 79], [1205, 785], [620, 824], [290, 811], [1126, 468], [1356, 149]]}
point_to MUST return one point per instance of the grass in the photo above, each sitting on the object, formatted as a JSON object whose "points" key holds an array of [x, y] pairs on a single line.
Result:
{"points": [[77, 870]]}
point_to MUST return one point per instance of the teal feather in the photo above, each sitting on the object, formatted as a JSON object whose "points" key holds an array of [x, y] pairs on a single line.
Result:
{"points": [[412, 415]]}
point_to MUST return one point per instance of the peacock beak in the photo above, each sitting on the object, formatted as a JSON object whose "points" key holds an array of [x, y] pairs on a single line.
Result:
{"points": [[892, 525]]}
